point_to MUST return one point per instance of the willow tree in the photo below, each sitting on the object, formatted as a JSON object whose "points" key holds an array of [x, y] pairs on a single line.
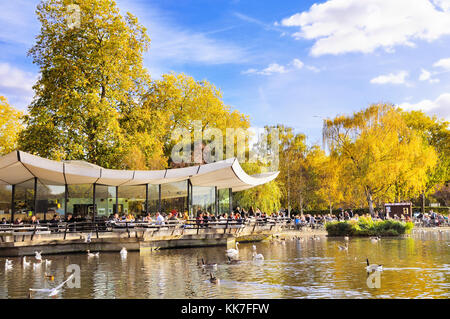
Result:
{"points": [[90, 75], [265, 197], [10, 126], [380, 154]]}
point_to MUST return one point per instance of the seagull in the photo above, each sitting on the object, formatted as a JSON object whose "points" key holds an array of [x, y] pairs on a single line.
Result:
{"points": [[123, 252], [233, 253], [53, 291], [25, 262], [208, 266], [93, 254], [371, 268], [8, 264], [213, 279], [38, 255]]}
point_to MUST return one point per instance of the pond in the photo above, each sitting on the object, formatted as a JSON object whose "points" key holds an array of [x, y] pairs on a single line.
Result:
{"points": [[413, 267]]}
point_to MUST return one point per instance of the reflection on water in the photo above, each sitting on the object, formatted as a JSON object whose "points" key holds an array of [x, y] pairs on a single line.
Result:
{"points": [[417, 267]]}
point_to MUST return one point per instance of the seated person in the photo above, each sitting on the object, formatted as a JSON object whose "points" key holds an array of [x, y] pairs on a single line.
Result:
{"points": [[34, 220]]}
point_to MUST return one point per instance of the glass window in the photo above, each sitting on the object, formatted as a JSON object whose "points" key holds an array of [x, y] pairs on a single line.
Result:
{"points": [[80, 201], [153, 198], [174, 197], [203, 198], [105, 200], [224, 201], [50, 200], [5, 201], [132, 200], [24, 200]]}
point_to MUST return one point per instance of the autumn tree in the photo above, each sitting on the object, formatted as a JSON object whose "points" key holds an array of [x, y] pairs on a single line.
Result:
{"points": [[90, 76], [265, 197], [180, 102], [380, 154], [436, 133], [10, 126]]}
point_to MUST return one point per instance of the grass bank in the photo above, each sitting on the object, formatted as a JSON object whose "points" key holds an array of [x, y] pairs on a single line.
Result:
{"points": [[368, 227]]}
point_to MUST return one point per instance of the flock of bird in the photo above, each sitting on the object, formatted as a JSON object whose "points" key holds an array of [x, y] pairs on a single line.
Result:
{"points": [[39, 261], [232, 258]]}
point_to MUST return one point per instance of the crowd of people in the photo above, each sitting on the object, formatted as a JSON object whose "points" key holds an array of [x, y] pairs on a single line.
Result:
{"points": [[240, 215]]}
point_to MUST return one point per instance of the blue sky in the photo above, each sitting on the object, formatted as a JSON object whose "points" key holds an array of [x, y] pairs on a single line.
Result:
{"points": [[290, 62]]}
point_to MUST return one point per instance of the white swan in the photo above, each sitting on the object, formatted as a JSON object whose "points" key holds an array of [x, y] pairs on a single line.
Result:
{"points": [[257, 256], [53, 291], [375, 240], [8, 264], [233, 253], [123, 252], [25, 262], [93, 254], [38, 255], [371, 268]]}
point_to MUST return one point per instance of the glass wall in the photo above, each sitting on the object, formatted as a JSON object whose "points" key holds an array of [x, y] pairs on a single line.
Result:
{"points": [[105, 200], [224, 201], [132, 200], [24, 200], [174, 197], [203, 199], [80, 201], [5, 201], [50, 200], [153, 198]]}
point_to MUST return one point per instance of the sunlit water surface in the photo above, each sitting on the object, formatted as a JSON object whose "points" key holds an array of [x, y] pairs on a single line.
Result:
{"points": [[415, 267]]}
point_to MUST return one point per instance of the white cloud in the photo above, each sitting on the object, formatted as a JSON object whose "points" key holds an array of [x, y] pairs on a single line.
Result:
{"points": [[342, 26], [443, 63], [427, 76], [298, 64], [14, 79], [392, 78], [439, 107], [276, 68]]}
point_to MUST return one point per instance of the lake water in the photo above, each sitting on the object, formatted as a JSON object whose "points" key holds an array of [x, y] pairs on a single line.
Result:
{"points": [[414, 267]]}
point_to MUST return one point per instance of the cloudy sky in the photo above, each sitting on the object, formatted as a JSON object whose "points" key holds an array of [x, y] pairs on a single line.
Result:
{"points": [[290, 62]]}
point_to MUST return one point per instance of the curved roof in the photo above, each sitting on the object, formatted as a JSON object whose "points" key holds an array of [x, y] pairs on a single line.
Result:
{"points": [[18, 167]]}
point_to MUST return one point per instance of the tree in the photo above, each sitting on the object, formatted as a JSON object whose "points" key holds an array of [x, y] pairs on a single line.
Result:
{"points": [[91, 76], [178, 100], [265, 197], [10, 126], [380, 154], [436, 133]]}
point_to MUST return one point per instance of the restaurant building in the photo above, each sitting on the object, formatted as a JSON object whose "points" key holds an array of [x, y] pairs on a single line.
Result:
{"points": [[32, 185]]}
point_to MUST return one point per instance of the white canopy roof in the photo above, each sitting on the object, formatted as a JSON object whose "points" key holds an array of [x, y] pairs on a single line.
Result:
{"points": [[18, 167]]}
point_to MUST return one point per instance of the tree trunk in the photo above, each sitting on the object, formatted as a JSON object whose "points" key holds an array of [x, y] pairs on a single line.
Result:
{"points": [[423, 202], [331, 209], [370, 202]]}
